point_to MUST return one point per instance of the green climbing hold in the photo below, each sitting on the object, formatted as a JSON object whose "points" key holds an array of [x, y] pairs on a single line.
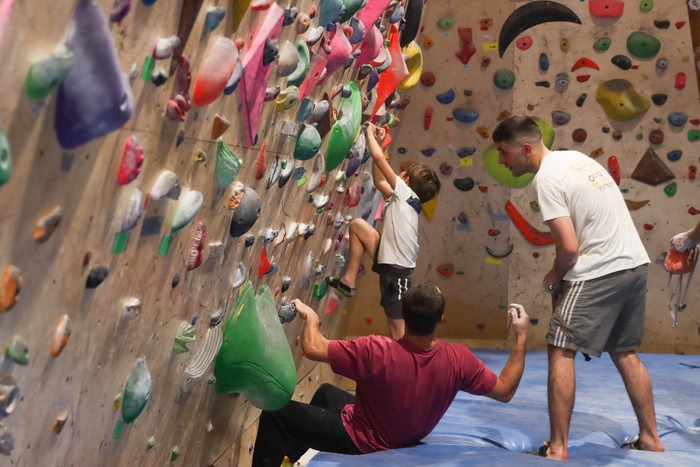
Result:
{"points": [[174, 453], [645, 6], [504, 79], [670, 189], [117, 429], [255, 358], [299, 74], [320, 290], [501, 173], [639, 136], [184, 335], [308, 143], [602, 44], [5, 158], [18, 351], [137, 391], [351, 7], [346, 129], [148, 66], [446, 23], [227, 164], [693, 135], [47, 74], [620, 100], [643, 45]]}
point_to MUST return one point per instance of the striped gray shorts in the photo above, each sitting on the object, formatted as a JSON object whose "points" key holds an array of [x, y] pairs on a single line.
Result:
{"points": [[605, 314]]}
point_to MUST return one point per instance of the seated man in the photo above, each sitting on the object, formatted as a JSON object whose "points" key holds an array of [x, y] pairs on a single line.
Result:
{"points": [[404, 386]]}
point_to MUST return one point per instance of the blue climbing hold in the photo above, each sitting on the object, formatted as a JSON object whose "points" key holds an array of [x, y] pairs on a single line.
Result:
{"points": [[446, 97], [674, 156], [465, 115]]}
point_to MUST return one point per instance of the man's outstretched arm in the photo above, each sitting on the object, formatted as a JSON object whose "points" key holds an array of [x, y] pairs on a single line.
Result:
{"points": [[313, 343], [512, 372]]}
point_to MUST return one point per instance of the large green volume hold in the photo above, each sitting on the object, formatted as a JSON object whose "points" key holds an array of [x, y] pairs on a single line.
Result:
{"points": [[346, 129], [255, 358]]}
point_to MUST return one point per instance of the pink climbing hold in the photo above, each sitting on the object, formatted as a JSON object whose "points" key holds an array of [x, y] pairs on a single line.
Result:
{"points": [[132, 160], [370, 47], [340, 52], [255, 74], [371, 12], [680, 80], [524, 43], [215, 71]]}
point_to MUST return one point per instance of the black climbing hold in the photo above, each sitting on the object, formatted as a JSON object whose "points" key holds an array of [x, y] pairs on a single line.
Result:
{"points": [[176, 280], [270, 52], [659, 98], [96, 276], [581, 99], [622, 61], [542, 84], [605, 129], [249, 240], [662, 24], [402, 150], [464, 184]]}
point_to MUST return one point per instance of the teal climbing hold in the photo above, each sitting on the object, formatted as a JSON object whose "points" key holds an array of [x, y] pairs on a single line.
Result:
{"points": [[5, 158], [504, 79], [602, 44]]}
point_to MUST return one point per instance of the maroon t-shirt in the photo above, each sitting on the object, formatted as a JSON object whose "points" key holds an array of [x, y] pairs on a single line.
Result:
{"points": [[403, 391]]}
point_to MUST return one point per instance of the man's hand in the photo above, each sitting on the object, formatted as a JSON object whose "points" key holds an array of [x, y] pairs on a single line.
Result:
{"points": [[304, 311], [681, 242], [551, 281], [519, 320]]}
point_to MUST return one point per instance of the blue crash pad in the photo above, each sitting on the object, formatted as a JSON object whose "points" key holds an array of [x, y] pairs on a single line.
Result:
{"points": [[478, 431]]}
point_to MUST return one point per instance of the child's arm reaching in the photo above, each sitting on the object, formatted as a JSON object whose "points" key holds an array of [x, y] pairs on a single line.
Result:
{"points": [[382, 173]]}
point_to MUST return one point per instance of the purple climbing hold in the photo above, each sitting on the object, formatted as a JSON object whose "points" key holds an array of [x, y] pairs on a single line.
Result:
{"points": [[560, 118], [427, 152], [94, 99], [445, 169]]}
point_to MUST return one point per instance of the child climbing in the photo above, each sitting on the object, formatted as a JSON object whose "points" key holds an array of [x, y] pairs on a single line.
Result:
{"points": [[395, 250]]}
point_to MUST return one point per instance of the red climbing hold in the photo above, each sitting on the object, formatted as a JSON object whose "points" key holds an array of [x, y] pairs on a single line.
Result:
{"points": [[692, 171], [583, 78], [468, 50], [427, 78], [262, 163], [692, 211], [132, 160], [264, 264], [606, 8], [531, 234], [483, 188], [680, 24], [585, 62], [648, 227], [524, 43], [428, 118], [614, 169], [680, 80], [494, 232]]}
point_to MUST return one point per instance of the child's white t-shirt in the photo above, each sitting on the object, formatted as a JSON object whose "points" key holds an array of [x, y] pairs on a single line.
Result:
{"points": [[399, 243]]}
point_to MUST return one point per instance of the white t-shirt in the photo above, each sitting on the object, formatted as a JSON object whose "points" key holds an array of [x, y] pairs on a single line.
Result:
{"points": [[572, 184], [399, 243]]}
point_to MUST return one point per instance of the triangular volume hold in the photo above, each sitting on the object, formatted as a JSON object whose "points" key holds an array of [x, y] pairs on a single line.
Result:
{"points": [[652, 170]]}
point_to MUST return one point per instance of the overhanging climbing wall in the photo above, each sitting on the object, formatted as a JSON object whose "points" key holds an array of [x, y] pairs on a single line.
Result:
{"points": [[158, 154], [608, 78]]}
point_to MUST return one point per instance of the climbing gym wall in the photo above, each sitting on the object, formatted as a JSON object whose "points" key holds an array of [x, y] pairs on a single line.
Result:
{"points": [[174, 173], [616, 80]]}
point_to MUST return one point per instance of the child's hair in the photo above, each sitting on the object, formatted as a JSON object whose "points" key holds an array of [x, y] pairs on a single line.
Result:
{"points": [[516, 130], [423, 181]]}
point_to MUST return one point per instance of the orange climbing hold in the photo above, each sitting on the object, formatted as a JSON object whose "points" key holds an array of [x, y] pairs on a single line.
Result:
{"points": [[427, 42], [262, 162], [445, 269], [10, 285], [219, 126]]}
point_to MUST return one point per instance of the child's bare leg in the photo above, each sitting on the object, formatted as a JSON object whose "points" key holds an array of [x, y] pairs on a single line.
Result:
{"points": [[396, 328], [363, 237]]}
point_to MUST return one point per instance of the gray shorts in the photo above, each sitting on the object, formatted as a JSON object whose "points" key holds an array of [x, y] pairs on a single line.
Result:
{"points": [[605, 314]]}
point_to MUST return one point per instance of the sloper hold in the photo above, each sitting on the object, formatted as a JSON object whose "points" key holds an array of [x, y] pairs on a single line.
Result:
{"points": [[255, 358], [246, 213], [227, 164], [532, 14], [620, 100], [94, 99], [308, 143], [203, 357], [652, 170], [46, 74], [643, 45], [371, 12], [215, 71], [345, 130], [137, 391], [414, 64]]}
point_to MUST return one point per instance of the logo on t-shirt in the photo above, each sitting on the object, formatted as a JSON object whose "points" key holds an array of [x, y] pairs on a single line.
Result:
{"points": [[415, 204]]}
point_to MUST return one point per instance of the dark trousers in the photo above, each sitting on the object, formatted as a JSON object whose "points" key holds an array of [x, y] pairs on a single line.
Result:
{"points": [[297, 427]]}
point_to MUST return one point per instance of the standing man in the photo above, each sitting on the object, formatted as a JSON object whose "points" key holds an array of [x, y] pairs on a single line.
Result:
{"points": [[598, 280], [404, 386]]}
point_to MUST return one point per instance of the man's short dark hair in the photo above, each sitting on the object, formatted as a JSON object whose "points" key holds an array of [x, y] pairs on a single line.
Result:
{"points": [[422, 308], [516, 130]]}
